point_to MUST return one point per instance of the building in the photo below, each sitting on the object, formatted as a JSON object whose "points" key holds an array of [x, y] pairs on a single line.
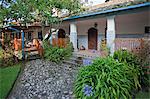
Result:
{"points": [[122, 23]]}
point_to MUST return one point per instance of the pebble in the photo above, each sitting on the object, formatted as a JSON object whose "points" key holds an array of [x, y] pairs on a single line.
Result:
{"points": [[43, 79]]}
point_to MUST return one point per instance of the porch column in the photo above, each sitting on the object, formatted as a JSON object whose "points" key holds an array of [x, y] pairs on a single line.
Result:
{"points": [[111, 33], [73, 35]]}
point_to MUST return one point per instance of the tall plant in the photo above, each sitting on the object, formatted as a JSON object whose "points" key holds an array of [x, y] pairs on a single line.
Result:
{"points": [[144, 56], [133, 62], [106, 78]]}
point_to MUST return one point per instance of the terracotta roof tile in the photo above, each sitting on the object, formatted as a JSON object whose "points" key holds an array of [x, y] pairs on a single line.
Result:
{"points": [[113, 3]]}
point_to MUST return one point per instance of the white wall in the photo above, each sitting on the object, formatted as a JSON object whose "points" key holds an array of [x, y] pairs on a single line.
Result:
{"points": [[84, 26], [83, 40], [132, 23]]}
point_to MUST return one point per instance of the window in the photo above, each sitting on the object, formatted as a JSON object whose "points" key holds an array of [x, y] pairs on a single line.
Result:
{"points": [[40, 35], [147, 29], [29, 36]]}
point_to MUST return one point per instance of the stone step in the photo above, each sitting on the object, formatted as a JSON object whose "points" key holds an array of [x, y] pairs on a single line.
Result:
{"points": [[33, 57], [78, 60], [75, 59], [84, 59], [70, 62], [84, 56]]}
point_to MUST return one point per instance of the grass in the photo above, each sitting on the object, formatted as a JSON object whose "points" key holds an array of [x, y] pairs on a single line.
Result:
{"points": [[7, 77]]}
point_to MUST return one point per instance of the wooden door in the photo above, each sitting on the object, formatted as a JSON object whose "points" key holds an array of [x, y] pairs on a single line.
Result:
{"points": [[92, 38]]}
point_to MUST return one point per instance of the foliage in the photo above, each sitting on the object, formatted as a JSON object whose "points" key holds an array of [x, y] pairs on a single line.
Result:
{"points": [[132, 61], [1, 55], [27, 11], [144, 56], [1, 52], [6, 57], [56, 54], [68, 50], [7, 77], [142, 95], [106, 78], [6, 54], [126, 56]]}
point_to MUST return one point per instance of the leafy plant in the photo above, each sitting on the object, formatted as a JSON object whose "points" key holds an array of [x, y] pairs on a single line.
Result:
{"points": [[126, 56], [132, 61], [1, 55], [106, 78], [6, 56], [144, 56], [56, 54], [68, 50]]}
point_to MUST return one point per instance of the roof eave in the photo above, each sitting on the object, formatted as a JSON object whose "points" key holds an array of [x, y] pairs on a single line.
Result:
{"points": [[107, 11]]}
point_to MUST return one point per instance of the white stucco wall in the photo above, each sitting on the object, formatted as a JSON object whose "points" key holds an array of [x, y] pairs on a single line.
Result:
{"points": [[132, 23], [83, 40], [84, 26]]}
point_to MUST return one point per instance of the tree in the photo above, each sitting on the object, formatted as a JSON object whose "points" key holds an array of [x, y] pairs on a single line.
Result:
{"points": [[27, 11]]}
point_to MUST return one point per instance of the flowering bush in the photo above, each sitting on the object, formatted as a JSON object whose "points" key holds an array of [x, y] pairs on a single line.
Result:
{"points": [[106, 78]]}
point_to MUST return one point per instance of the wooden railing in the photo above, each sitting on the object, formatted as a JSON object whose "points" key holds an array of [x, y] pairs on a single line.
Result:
{"points": [[131, 44]]}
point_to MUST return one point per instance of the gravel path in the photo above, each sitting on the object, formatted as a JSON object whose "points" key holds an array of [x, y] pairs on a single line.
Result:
{"points": [[45, 80]]}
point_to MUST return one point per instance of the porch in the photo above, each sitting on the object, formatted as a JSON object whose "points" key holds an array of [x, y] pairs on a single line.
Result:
{"points": [[116, 31], [131, 44]]}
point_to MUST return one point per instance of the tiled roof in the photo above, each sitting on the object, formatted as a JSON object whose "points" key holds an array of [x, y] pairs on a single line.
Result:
{"points": [[112, 4], [111, 9]]}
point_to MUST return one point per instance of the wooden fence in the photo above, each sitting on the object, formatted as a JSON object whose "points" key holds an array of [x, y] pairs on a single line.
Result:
{"points": [[131, 44], [60, 42]]}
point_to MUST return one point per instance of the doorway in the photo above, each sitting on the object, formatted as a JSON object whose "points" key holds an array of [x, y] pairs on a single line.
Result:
{"points": [[92, 38], [61, 38]]}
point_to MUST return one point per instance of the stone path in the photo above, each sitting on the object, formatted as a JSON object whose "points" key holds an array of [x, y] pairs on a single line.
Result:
{"points": [[45, 80]]}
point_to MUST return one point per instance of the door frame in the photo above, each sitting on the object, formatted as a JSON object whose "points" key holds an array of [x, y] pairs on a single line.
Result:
{"points": [[96, 38]]}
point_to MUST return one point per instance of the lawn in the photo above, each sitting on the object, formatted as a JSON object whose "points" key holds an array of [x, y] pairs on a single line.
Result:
{"points": [[7, 77]]}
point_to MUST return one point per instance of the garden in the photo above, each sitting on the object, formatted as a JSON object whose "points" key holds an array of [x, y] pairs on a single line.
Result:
{"points": [[124, 75], [121, 76]]}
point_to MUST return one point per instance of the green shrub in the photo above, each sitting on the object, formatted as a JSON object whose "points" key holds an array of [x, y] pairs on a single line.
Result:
{"points": [[68, 50], [106, 78], [144, 56], [126, 56], [56, 54], [1, 56], [6, 57], [132, 61]]}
